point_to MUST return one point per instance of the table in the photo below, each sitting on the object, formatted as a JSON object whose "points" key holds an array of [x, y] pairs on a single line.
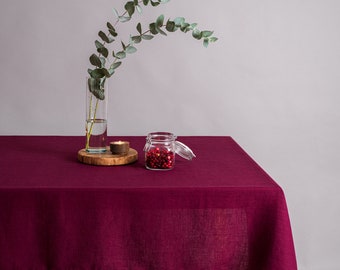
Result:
{"points": [[218, 211]]}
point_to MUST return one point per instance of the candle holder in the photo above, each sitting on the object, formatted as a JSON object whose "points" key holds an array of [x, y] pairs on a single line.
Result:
{"points": [[119, 147], [118, 153]]}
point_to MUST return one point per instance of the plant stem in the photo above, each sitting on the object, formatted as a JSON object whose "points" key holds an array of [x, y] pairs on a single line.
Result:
{"points": [[93, 120]]}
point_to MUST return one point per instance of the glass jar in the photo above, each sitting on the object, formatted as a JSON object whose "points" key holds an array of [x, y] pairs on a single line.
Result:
{"points": [[160, 151]]}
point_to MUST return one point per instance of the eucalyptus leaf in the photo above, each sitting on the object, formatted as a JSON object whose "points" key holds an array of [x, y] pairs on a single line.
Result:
{"points": [[93, 84], [159, 24], [103, 61], [130, 49], [103, 36], [147, 37], [185, 27], [154, 4], [130, 8], [213, 39], [206, 34], [139, 28], [205, 42], [179, 21], [97, 73], [139, 9], [161, 32], [160, 21], [110, 26], [111, 71], [124, 18], [170, 26], [121, 55], [98, 44], [94, 60], [115, 12], [113, 33], [136, 39], [104, 51], [197, 34], [152, 28], [98, 93], [115, 65]]}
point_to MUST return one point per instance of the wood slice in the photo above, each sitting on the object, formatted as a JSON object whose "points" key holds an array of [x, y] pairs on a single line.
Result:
{"points": [[107, 158]]}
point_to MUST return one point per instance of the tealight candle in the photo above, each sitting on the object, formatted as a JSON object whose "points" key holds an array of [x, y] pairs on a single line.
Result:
{"points": [[120, 147]]}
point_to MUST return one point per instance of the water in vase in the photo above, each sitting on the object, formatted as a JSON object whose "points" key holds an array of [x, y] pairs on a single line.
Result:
{"points": [[96, 135]]}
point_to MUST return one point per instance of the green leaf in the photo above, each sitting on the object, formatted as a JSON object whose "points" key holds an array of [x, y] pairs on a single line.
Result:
{"points": [[147, 37], [135, 2], [154, 4], [103, 61], [152, 27], [115, 65], [94, 84], [106, 72], [111, 71], [98, 92], [103, 51], [205, 42], [103, 36], [136, 39], [115, 12], [213, 39], [94, 60], [130, 49], [124, 18], [121, 55], [159, 24], [139, 9], [139, 28], [161, 32], [113, 33], [185, 27], [130, 8], [179, 21], [110, 26], [206, 34], [98, 44], [197, 34], [146, 2], [160, 21], [170, 26], [98, 73]]}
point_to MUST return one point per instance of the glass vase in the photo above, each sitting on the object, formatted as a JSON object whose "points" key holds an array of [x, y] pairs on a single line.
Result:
{"points": [[96, 115]]}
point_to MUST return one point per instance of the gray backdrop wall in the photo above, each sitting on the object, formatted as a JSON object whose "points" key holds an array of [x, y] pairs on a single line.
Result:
{"points": [[271, 82]]}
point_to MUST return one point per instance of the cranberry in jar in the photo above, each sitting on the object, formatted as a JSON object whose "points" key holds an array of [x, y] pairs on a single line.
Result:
{"points": [[161, 149]]}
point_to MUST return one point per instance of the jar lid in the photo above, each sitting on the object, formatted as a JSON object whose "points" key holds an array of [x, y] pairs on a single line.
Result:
{"points": [[184, 151], [161, 136]]}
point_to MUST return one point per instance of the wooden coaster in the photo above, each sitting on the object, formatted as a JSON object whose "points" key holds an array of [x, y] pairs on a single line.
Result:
{"points": [[107, 158]]}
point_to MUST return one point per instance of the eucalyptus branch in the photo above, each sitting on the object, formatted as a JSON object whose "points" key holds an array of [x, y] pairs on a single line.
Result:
{"points": [[101, 72]]}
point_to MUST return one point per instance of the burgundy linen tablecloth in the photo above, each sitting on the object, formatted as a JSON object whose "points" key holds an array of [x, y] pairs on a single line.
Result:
{"points": [[219, 211]]}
